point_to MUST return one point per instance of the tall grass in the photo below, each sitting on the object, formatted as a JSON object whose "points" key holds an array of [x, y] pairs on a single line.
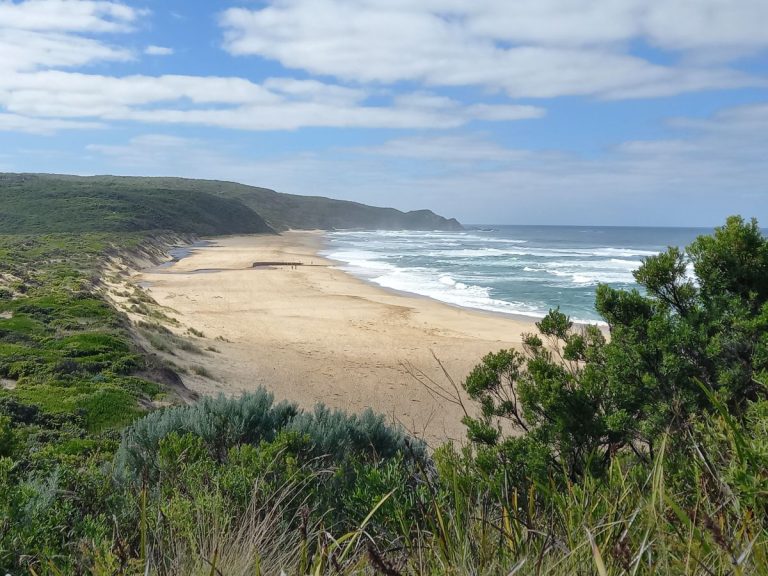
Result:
{"points": [[687, 517], [679, 515], [698, 508], [256, 542]]}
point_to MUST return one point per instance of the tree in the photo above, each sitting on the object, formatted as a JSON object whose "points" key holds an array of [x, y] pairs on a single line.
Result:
{"points": [[674, 347]]}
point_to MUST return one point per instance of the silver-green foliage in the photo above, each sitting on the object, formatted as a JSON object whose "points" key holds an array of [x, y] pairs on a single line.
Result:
{"points": [[220, 422], [223, 423]]}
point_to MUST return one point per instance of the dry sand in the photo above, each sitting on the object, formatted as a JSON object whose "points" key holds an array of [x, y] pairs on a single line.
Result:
{"points": [[312, 333]]}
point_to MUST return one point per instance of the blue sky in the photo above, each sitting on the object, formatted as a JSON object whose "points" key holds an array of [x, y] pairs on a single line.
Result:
{"points": [[613, 112]]}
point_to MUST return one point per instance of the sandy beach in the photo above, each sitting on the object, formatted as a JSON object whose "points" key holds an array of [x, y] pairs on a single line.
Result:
{"points": [[312, 333]]}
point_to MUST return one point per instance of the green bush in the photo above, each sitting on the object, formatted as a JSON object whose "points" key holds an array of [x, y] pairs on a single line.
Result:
{"points": [[220, 422], [338, 434], [100, 405], [223, 423], [672, 353]]}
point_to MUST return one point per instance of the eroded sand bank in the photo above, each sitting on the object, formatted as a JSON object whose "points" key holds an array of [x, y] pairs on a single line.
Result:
{"points": [[311, 333]]}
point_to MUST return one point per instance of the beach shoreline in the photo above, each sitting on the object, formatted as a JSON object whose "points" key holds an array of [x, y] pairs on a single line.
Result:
{"points": [[322, 246], [310, 332]]}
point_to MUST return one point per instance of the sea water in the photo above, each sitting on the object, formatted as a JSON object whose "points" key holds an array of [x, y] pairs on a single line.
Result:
{"points": [[521, 270]]}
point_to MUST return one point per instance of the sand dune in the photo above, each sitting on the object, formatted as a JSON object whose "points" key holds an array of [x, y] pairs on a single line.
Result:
{"points": [[312, 333]]}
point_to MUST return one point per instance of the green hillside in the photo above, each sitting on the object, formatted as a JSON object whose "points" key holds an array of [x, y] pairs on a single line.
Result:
{"points": [[48, 204], [284, 211], [280, 211]]}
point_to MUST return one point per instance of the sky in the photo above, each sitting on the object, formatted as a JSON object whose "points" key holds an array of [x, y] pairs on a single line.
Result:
{"points": [[585, 112]]}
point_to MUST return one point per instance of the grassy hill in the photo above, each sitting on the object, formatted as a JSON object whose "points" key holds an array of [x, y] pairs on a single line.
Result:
{"points": [[160, 197], [48, 204], [284, 211]]}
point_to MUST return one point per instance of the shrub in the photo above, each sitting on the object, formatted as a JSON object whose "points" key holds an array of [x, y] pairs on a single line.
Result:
{"points": [[7, 439], [220, 422], [672, 353], [223, 423], [337, 433]]}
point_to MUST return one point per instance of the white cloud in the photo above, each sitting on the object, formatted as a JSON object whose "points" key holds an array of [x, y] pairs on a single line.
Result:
{"points": [[315, 91], [528, 48], [41, 39], [158, 51], [228, 102], [40, 34], [159, 145], [750, 119], [504, 112], [17, 123], [291, 115], [66, 94], [68, 15], [450, 148], [24, 50], [669, 24]]}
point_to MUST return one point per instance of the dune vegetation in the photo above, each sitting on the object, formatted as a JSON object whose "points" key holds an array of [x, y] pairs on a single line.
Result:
{"points": [[642, 453]]}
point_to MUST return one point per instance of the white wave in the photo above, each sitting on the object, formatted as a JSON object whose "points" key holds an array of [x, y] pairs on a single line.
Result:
{"points": [[597, 252], [612, 264], [690, 273], [450, 291], [496, 240], [462, 268], [391, 236], [619, 252], [595, 278], [585, 321], [464, 245], [605, 254], [428, 282], [448, 281], [474, 253], [361, 261]]}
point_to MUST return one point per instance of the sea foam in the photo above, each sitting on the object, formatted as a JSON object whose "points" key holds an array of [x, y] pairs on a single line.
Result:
{"points": [[516, 270]]}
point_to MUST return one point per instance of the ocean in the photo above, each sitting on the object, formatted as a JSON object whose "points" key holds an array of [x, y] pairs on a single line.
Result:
{"points": [[520, 270]]}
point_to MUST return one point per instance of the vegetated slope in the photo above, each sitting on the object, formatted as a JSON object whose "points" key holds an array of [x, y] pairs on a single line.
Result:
{"points": [[284, 211], [281, 211], [32, 204]]}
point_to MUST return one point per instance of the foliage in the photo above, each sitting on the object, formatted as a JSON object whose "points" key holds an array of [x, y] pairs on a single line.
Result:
{"points": [[205, 207], [222, 423], [45, 204], [63, 346], [71, 361], [582, 400]]}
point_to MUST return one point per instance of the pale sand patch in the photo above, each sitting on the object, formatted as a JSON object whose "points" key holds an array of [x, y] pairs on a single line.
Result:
{"points": [[313, 334]]}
